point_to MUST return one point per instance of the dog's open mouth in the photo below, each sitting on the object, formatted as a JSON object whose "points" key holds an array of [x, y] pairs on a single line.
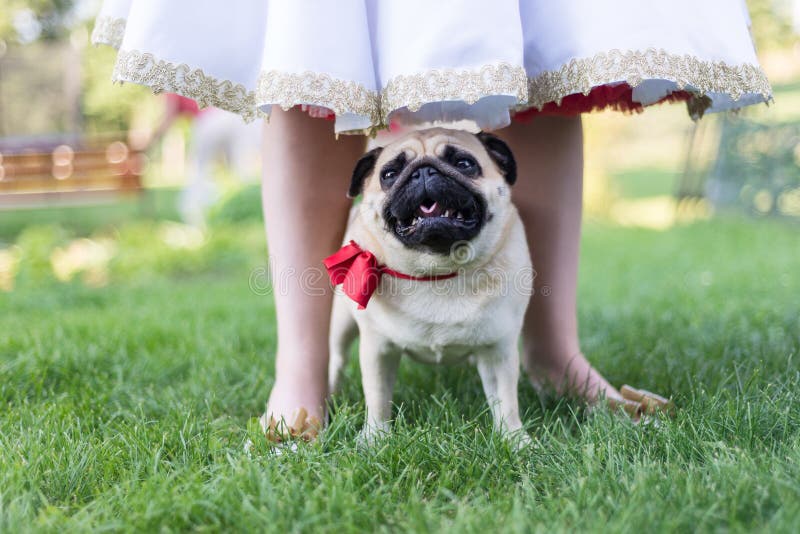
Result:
{"points": [[436, 222], [434, 212], [431, 208]]}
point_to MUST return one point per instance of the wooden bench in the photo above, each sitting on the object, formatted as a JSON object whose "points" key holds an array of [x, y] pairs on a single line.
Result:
{"points": [[76, 173]]}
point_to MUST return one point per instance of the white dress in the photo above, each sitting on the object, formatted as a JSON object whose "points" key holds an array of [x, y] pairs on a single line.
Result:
{"points": [[371, 62]]}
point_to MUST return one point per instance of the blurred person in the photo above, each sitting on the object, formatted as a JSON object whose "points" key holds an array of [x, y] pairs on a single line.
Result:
{"points": [[525, 68], [213, 133]]}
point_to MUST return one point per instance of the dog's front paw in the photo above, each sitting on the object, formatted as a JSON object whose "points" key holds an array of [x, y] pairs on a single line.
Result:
{"points": [[518, 439], [373, 433]]}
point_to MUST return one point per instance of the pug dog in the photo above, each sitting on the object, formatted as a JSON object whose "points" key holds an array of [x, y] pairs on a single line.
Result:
{"points": [[435, 266]]}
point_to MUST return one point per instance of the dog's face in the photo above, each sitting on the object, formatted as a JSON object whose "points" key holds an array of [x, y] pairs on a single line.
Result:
{"points": [[434, 188]]}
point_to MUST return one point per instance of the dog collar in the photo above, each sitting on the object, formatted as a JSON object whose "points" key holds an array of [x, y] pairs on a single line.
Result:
{"points": [[360, 273]]}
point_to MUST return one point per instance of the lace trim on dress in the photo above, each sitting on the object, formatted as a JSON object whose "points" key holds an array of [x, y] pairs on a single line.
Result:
{"points": [[108, 31], [288, 90], [634, 66], [579, 76], [163, 76], [414, 91]]}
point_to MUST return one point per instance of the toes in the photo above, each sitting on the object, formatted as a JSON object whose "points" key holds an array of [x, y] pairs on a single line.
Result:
{"points": [[299, 425], [650, 402], [311, 429], [639, 403], [632, 408], [298, 422]]}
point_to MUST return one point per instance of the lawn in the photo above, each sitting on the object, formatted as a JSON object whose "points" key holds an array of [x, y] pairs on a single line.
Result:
{"points": [[126, 406]]}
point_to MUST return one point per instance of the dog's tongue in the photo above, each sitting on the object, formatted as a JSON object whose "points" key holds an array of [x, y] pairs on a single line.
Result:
{"points": [[434, 210]]}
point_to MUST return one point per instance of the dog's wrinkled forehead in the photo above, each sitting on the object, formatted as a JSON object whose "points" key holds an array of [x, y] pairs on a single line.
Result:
{"points": [[436, 142], [490, 155]]}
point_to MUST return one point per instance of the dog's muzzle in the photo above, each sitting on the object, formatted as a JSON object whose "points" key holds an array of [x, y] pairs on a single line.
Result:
{"points": [[431, 208]]}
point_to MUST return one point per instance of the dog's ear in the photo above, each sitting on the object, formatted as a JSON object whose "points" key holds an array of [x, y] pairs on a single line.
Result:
{"points": [[501, 155], [363, 169]]}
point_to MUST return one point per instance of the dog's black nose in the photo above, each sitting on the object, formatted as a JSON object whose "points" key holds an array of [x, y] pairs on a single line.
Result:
{"points": [[425, 172]]}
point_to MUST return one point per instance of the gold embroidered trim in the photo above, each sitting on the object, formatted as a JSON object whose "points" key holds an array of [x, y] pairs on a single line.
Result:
{"points": [[635, 66], [164, 76], [108, 31], [414, 91], [340, 96]]}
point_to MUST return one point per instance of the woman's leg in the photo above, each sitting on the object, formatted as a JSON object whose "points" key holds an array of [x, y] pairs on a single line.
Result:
{"points": [[548, 194], [306, 176]]}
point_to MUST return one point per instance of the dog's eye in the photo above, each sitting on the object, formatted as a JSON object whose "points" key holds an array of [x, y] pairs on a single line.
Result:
{"points": [[388, 175], [465, 163]]}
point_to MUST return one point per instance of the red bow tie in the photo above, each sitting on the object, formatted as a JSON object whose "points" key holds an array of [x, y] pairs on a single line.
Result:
{"points": [[359, 272]]}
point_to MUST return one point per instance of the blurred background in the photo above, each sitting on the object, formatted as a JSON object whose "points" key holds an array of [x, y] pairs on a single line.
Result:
{"points": [[112, 173]]}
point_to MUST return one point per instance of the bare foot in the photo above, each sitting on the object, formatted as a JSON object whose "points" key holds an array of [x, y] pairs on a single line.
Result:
{"points": [[569, 376], [295, 408], [575, 377]]}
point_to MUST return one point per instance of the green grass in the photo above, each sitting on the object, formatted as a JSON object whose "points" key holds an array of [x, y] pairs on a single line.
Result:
{"points": [[153, 204], [127, 407], [641, 182]]}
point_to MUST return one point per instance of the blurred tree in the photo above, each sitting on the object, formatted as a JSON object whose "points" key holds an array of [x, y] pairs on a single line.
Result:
{"points": [[756, 167], [32, 90], [38, 35], [772, 23], [109, 107], [49, 19]]}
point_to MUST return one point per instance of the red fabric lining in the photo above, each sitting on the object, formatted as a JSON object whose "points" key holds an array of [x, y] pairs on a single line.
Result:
{"points": [[617, 97], [318, 112]]}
